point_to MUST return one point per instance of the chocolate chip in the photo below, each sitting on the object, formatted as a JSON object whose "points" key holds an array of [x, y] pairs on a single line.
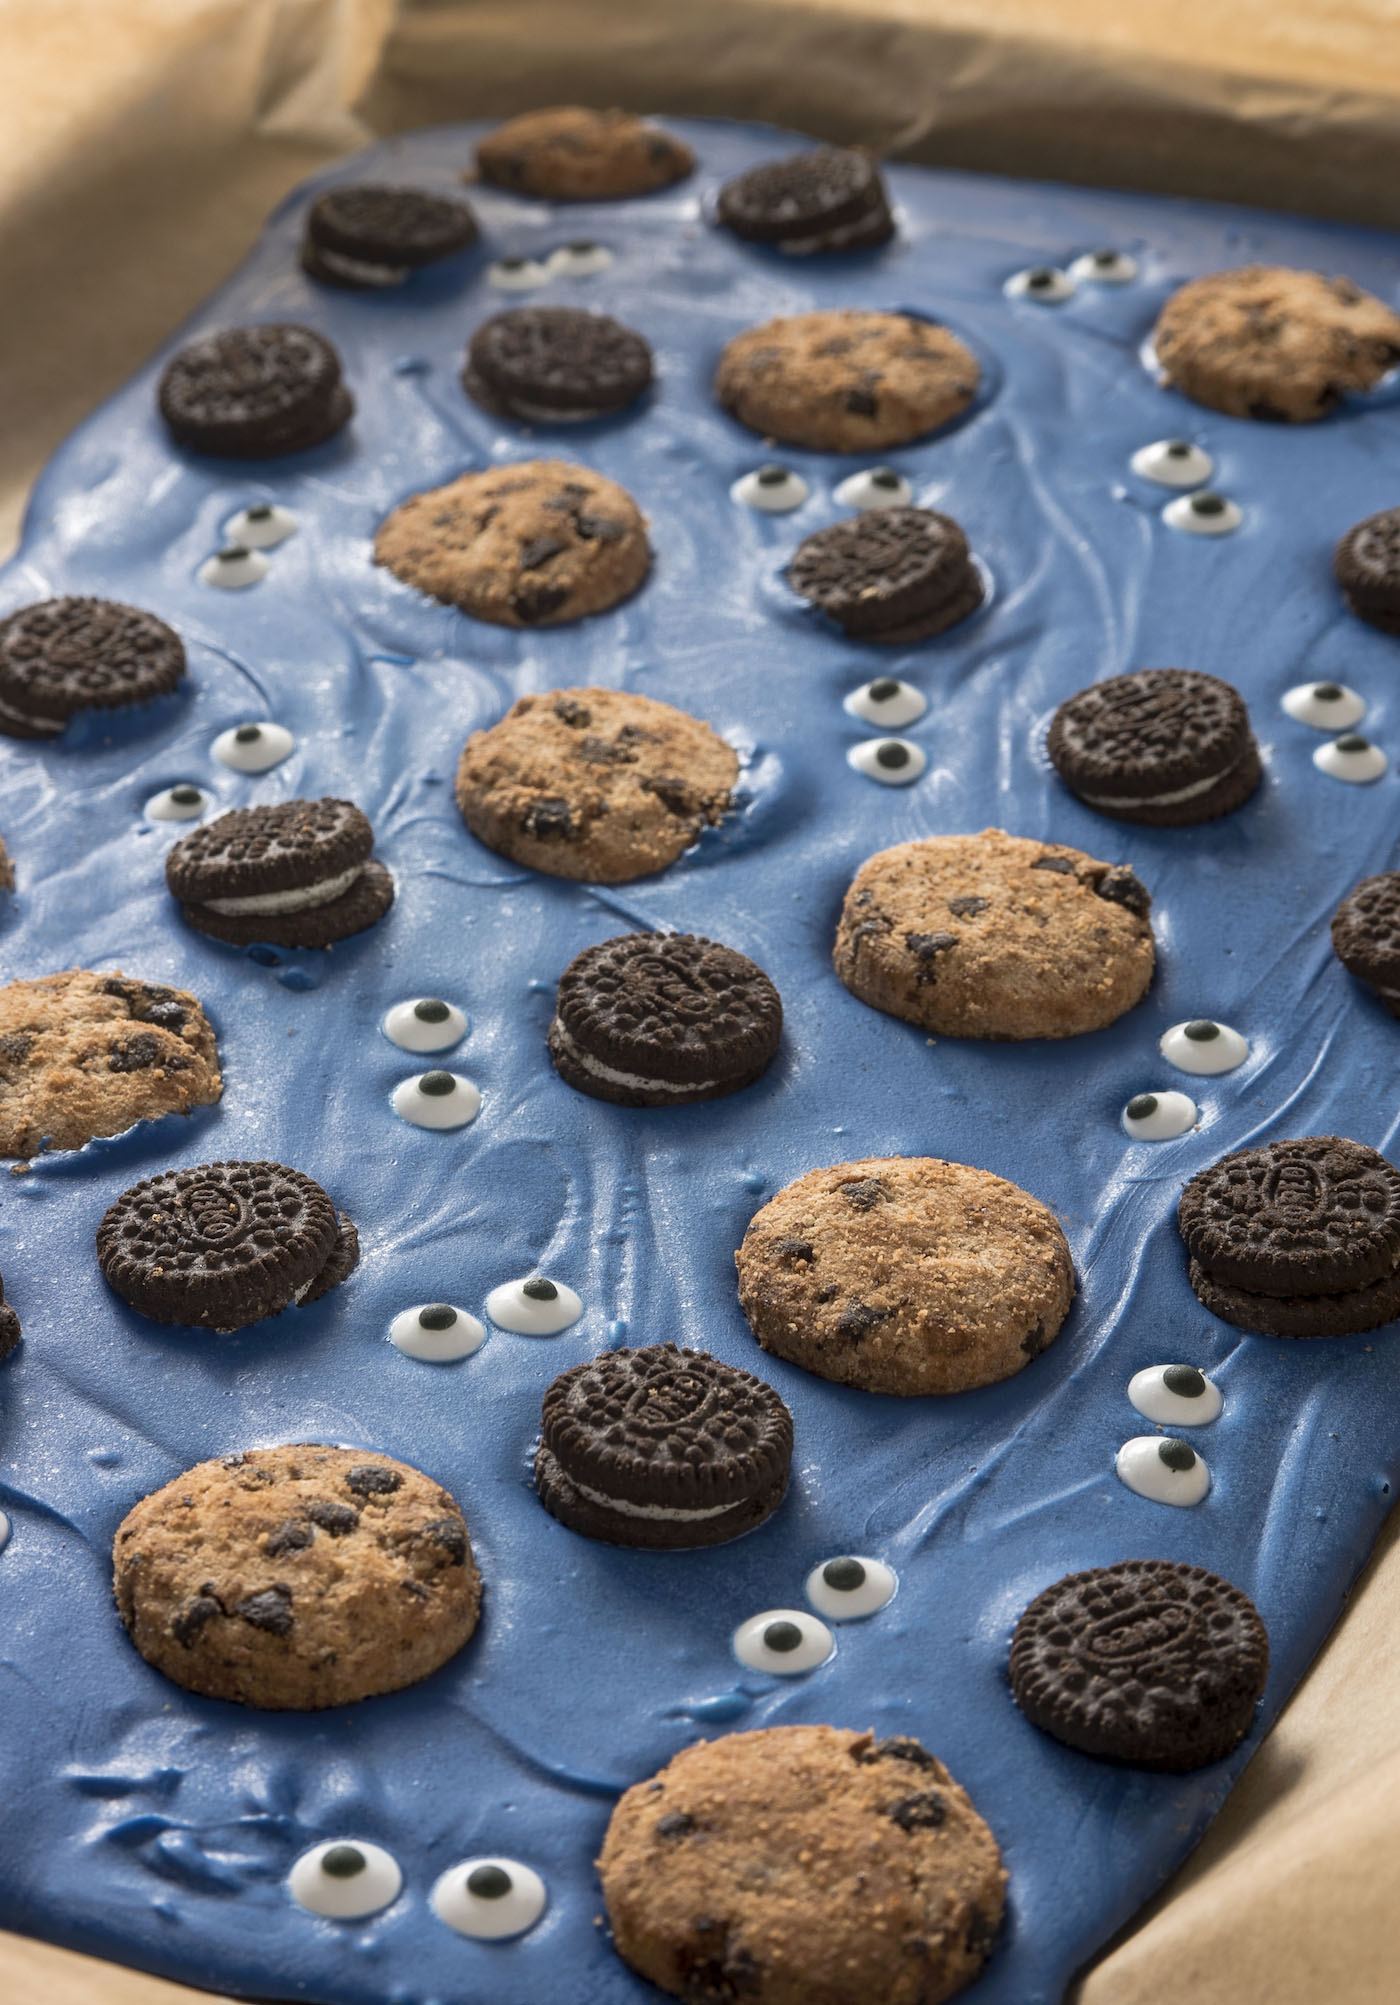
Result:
{"points": [[679, 1824], [138, 1054], [924, 1812], [794, 1249], [337, 1519], [550, 819], [865, 1193], [192, 1618], [861, 404], [449, 1535], [291, 1536], [599, 528], [898, 1747], [270, 1610], [368, 1479], [538, 602], [575, 715], [15, 1045], [926, 947], [858, 1319], [539, 551], [967, 908], [1121, 887], [1035, 1341], [1060, 864]]}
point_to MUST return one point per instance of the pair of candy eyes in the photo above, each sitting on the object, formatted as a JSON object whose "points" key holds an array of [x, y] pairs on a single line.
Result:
{"points": [[1050, 284], [486, 1898], [788, 1641], [776, 489], [577, 260]]}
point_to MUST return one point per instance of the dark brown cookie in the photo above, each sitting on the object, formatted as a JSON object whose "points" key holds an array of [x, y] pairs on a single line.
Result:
{"points": [[1341, 1315], [370, 236], [1317, 1216], [662, 1448], [1366, 565], [802, 1864], [832, 199], [291, 874], [66, 655], [254, 392], [570, 153], [894, 575], [1164, 747], [555, 365], [10, 1332], [1149, 1662], [1366, 935], [662, 1019], [297, 1577]]}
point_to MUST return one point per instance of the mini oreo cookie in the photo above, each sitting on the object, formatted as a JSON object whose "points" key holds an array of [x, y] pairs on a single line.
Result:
{"points": [[9, 1325], [1164, 747], [662, 1448], [892, 575], [291, 874], [830, 200], [1151, 1662], [223, 1244], [1366, 564], [1366, 935], [555, 365], [663, 1019], [63, 656], [371, 236], [254, 392]]}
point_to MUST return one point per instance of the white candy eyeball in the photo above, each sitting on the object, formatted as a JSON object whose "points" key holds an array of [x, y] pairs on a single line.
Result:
{"points": [[261, 527], [1173, 463], [1046, 284], [344, 1879], [253, 748], [1351, 758], [184, 802], [875, 487], [233, 567], [425, 1024], [1203, 514], [848, 1589], [773, 490], [1175, 1395], [4, 1531], [1162, 1469], [534, 1306], [436, 1333], [785, 1641], [489, 1898], [436, 1100], [886, 700], [578, 260], [1159, 1117], [1104, 268], [1327, 706], [894, 762], [516, 274], [1203, 1047]]}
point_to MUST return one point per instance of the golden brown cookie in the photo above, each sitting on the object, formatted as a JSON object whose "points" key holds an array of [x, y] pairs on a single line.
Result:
{"points": [[994, 935], [7, 869], [86, 1054], [905, 1274], [536, 544], [803, 1865], [571, 153], [1269, 342], [297, 1577], [594, 784], [847, 381]]}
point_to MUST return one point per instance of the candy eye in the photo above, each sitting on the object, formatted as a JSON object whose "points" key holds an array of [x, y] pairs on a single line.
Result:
{"points": [[516, 274], [436, 1333], [785, 1641], [1173, 463], [1203, 1047], [1351, 758], [233, 568], [253, 748], [1327, 706], [489, 1898], [1105, 267], [261, 527], [875, 487], [773, 490], [436, 1100], [184, 802], [1159, 1117], [1175, 1395], [425, 1024], [1162, 1469], [1046, 284], [886, 701], [1203, 514], [846, 1589], [894, 762], [534, 1306], [578, 260], [343, 1880]]}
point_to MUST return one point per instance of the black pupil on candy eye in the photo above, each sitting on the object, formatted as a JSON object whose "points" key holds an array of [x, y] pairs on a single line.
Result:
{"points": [[782, 1637], [430, 1010], [488, 1883], [247, 734], [436, 1084], [884, 476], [1179, 448], [583, 248], [1141, 1105], [233, 554], [184, 797], [540, 1291], [844, 1575], [1105, 257], [1351, 743], [883, 690], [1327, 692], [1202, 1030], [262, 513], [342, 1862], [514, 264], [1176, 1455], [1040, 279], [772, 476], [1184, 1380], [437, 1316], [892, 755], [1208, 504]]}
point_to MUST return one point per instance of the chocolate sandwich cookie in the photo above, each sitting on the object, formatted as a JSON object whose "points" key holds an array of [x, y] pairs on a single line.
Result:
{"points": [[803, 1863], [64, 656], [9, 1326], [1366, 935], [1269, 342], [994, 935], [224, 1244], [555, 365], [596, 784], [85, 1054], [662, 1019], [892, 575], [570, 153], [831, 200], [1296, 1238], [1165, 747], [846, 381], [291, 874], [1366, 565], [662, 1448], [254, 392], [905, 1274], [298, 1577], [537, 544], [373, 237]]}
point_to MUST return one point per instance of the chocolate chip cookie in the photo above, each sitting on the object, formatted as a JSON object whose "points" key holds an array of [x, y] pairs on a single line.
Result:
{"points": [[288, 873], [1366, 564], [10, 1331], [1165, 747], [297, 1577], [892, 575], [64, 656], [371, 237], [570, 153], [1366, 935], [832, 199], [254, 392]]}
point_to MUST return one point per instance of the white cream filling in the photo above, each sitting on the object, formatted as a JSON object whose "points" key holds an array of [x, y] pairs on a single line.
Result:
{"points": [[631, 1510], [828, 240], [1159, 800], [552, 414], [299, 899], [35, 723], [358, 268], [597, 1070]]}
